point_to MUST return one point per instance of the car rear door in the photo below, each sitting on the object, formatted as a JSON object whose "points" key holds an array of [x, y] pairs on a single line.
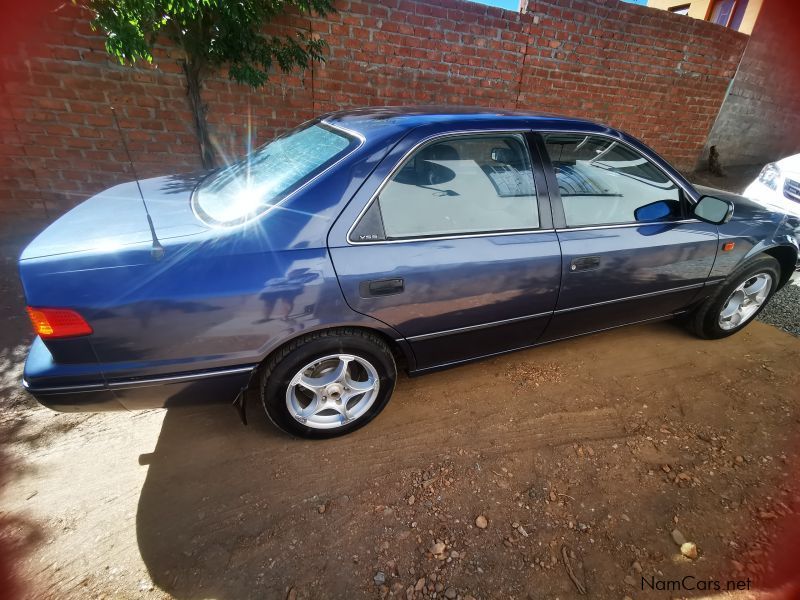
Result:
{"points": [[450, 242], [630, 253]]}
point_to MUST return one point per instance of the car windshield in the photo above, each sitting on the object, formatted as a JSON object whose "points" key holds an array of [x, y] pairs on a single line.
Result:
{"points": [[248, 188]]}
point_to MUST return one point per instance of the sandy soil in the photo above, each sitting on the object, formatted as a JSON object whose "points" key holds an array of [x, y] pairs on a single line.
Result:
{"points": [[601, 445]]}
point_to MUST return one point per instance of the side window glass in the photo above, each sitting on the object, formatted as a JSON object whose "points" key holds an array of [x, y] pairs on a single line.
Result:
{"points": [[462, 185], [603, 182]]}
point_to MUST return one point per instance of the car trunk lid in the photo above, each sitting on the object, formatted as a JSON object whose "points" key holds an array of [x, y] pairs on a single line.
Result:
{"points": [[116, 218]]}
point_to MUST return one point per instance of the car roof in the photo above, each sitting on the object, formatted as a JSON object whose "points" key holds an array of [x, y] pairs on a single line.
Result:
{"points": [[379, 125], [378, 119]]}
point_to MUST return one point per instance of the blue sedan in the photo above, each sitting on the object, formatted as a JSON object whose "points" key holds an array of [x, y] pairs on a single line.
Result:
{"points": [[372, 240]]}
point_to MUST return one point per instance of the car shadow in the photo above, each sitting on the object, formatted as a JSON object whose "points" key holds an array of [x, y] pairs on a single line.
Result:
{"points": [[235, 512], [201, 474], [218, 494], [222, 501]]}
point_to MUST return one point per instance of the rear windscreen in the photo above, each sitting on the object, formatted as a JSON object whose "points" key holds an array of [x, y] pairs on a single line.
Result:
{"points": [[248, 188]]}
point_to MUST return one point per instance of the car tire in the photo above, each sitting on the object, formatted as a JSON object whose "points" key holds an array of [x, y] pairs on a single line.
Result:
{"points": [[709, 322], [314, 386]]}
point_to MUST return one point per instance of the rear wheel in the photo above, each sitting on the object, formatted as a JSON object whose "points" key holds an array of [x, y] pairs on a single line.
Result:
{"points": [[738, 300], [328, 383]]}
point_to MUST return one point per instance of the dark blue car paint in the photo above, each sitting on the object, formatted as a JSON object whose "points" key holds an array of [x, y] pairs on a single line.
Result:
{"points": [[644, 273], [458, 284], [754, 229], [193, 326]]}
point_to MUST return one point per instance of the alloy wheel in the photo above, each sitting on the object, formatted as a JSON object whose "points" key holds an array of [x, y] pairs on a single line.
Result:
{"points": [[332, 391], [745, 301]]}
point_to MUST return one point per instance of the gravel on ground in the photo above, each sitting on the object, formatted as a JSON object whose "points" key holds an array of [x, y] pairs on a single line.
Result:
{"points": [[783, 310]]}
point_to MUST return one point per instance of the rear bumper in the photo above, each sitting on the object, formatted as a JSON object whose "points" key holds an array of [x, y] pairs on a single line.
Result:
{"points": [[185, 389], [86, 389], [75, 398]]}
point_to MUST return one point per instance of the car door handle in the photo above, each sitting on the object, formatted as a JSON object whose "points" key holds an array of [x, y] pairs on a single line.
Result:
{"points": [[381, 287], [585, 263]]}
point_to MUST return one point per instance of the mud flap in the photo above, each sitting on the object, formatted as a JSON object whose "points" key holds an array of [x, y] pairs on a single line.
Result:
{"points": [[240, 404]]}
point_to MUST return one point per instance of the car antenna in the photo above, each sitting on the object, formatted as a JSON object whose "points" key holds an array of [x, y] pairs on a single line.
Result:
{"points": [[157, 251]]}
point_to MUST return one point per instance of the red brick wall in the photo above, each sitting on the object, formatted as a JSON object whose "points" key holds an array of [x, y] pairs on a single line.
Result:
{"points": [[660, 76], [760, 119]]}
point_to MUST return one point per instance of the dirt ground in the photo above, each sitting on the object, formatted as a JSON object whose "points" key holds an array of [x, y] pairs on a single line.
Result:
{"points": [[583, 457]]}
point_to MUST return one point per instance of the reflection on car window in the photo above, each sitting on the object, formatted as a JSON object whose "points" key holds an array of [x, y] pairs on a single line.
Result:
{"points": [[249, 187], [468, 184], [602, 181]]}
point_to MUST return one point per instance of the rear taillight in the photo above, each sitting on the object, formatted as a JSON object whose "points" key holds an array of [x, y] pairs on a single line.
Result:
{"points": [[50, 323]]}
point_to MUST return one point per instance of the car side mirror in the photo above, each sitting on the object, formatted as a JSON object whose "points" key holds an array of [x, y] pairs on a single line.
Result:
{"points": [[657, 211], [713, 210]]}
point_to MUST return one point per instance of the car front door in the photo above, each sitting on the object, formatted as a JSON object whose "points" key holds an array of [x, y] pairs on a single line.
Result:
{"points": [[451, 243], [630, 253]]}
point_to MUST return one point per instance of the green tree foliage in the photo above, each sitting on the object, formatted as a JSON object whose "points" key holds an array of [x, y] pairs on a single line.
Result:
{"points": [[212, 34]]}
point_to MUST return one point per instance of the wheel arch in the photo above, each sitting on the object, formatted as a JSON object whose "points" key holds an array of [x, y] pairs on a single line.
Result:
{"points": [[401, 351], [786, 256]]}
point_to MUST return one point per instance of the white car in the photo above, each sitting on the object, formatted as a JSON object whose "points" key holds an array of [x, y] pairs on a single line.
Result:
{"points": [[778, 185]]}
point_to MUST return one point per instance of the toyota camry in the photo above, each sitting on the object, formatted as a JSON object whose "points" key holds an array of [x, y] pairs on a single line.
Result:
{"points": [[371, 241]]}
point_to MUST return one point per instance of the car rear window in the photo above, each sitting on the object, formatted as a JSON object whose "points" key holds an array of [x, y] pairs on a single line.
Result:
{"points": [[251, 186]]}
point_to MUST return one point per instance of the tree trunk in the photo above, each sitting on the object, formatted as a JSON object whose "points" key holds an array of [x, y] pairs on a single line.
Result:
{"points": [[199, 110]]}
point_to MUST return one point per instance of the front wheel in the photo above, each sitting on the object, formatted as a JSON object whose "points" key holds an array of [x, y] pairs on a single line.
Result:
{"points": [[738, 300], [328, 383]]}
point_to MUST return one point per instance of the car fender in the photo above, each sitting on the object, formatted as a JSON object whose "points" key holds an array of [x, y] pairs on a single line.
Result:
{"points": [[783, 246]]}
